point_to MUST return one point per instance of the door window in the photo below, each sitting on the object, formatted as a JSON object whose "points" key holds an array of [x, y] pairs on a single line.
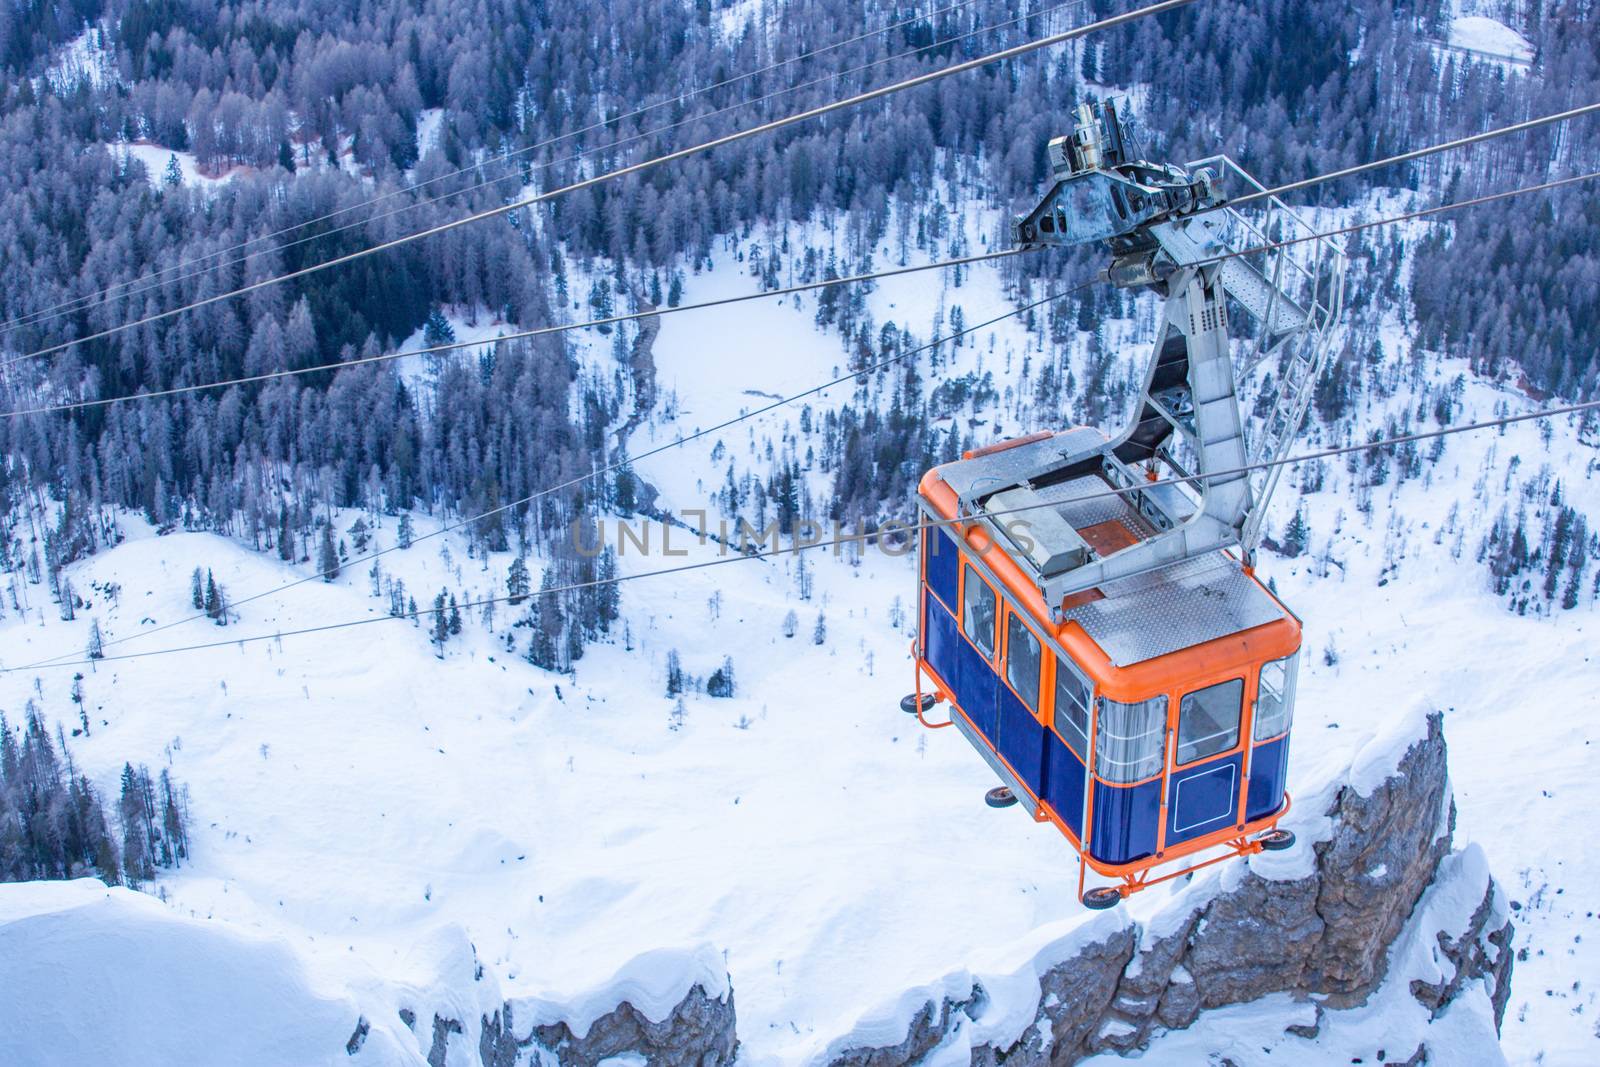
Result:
{"points": [[1022, 660], [1072, 709], [978, 613], [1208, 720]]}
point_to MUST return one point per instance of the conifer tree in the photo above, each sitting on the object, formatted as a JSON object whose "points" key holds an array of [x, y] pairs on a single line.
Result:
{"points": [[440, 624], [173, 822], [600, 302], [517, 583], [608, 596], [674, 673], [327, 556], [720, 684], [541, 647], [437, 330], [574, 644], [1297, 535], [285, 535], [10, 761], [1579, 556], [136, 862], [1560, 545]]}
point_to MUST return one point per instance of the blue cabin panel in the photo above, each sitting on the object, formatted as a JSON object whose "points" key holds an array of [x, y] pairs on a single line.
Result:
{"points": [[1269, 773], [1203, 799], [939, 640], [942, 561], [1020, 739], [1125, 821], [963, 668], [1063, 782]]}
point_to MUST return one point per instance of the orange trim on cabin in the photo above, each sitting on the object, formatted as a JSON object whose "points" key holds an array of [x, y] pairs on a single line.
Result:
{"points": [[1236, 656], [1164, 674], [1001, 446], [1043, 812]]}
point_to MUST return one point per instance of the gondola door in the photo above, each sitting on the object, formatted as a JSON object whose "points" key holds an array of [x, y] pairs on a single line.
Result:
{"points": [[1205, 763]]}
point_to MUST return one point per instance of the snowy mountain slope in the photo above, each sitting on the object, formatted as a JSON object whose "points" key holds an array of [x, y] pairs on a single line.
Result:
{"points": [[356, 796], [86, 954]]}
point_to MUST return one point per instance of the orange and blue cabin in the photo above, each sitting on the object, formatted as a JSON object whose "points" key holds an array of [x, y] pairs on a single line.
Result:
{"points": [[1148, 721]]}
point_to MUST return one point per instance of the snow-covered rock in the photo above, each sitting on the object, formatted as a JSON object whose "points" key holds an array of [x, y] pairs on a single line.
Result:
{"points": [[1431, 927], [93, 974]]}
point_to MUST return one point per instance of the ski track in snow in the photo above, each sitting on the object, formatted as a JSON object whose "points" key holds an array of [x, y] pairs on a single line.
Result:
{"points": [[360, 800]]}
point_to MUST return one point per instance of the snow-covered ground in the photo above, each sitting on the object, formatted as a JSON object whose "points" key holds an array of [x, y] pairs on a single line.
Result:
{"points": [[742, 17], [157, 158], [85, 58], [1485, 36], [468, 329], [245, 997], [365, 809], [428, 122]]}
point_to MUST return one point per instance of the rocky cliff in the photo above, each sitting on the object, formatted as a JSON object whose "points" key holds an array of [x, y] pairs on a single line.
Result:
{"points": [[1325, 938], [1372, 897]]}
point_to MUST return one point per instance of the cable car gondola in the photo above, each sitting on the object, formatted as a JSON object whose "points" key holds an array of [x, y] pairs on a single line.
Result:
{"points": [[1089, 611]]}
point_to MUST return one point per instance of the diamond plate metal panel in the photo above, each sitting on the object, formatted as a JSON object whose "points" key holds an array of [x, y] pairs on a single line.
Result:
{"points": [[1187, 604], [1097, 509]]}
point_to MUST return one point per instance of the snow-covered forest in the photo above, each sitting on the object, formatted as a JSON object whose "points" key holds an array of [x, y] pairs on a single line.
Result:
{"points": [[524, 769], [438, 114]]}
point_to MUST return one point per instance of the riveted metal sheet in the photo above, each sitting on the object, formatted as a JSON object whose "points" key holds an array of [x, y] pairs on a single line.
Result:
{"points": [[981, 475], [1177, 607]]}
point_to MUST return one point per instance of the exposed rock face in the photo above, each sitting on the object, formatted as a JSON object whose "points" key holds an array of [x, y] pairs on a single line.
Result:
{"points": [[1480, 950], [698, 1032], [439, 1051], [1325, 934], [928, 1028], [1078, 1004]]}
